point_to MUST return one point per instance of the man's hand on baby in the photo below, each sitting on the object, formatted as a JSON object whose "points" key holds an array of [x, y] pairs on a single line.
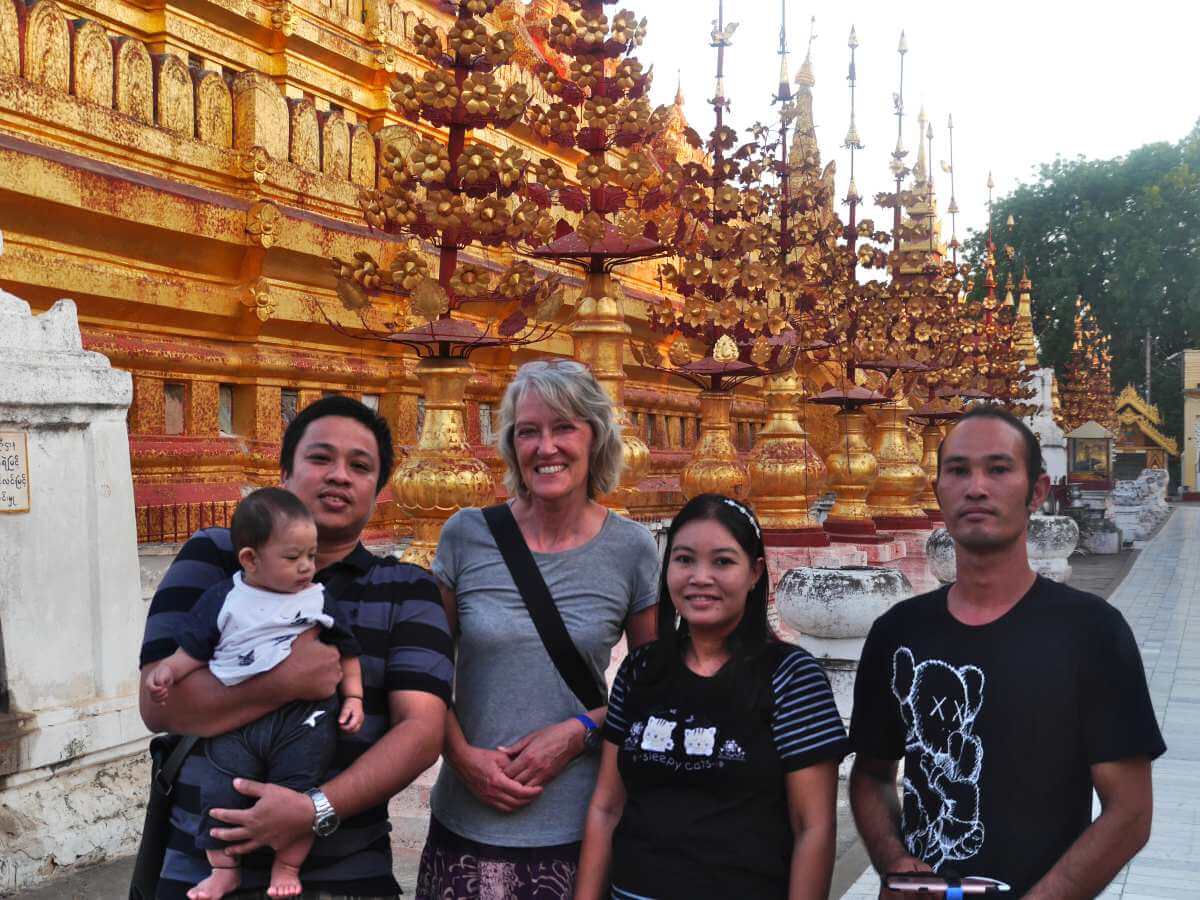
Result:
{"points": [[160, 683], [351, 718]]}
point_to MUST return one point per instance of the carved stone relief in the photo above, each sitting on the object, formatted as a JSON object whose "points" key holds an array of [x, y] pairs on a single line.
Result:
{"points": [[10, 39], [305, 149], [260, 115], [91, 63], [134, 79], [362, 156], [214, 108], [174, 98], [335, 145], [47, 46]]}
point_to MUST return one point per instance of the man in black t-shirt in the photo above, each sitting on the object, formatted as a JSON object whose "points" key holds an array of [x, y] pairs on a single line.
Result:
{"points": [[1008, 696]]}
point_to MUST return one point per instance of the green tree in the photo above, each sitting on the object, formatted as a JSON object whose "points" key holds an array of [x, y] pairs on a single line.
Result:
{"points": [[1124, 233]]}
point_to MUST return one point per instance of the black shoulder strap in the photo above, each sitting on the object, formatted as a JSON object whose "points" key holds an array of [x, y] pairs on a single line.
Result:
{"points": [[174, 762], [546, 619]]}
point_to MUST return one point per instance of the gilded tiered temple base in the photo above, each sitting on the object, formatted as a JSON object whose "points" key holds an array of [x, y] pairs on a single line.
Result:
{"points": [[441, 476], [852, 472], [715, 468], [891, 501]]}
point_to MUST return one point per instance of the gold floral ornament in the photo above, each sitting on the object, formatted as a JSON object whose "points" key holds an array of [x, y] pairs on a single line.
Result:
{"points": [[470, 282], [562, 121], [408, 269], [592, 228], [427, 41], [524, 220], [500, 49], [429, 163], [400, 209], [371, 204], [694, 199], [511, 167], [586, 73], [479, 7], [468, 37], [404, 94], [445, 210], [549, 174], [430, 300], [694, 272], [728, 314], [627, 29], [518, 281], [478, 167], [350, 294], [777, 322], [630, 225], [594, 30], [634, 119], [492, 218], [513, 103], [725, 350], [722, 139], [600, 112], [437, 90], [760, 351], [679, 354], [594, 173], [481, 94], [755, 316], [727, 200], [637, 172], [720, 240], [627, 75], [561, 33], [695, 312]]}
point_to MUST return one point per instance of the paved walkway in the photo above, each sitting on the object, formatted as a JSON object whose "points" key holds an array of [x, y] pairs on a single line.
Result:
{"points": [[1160, 597]]}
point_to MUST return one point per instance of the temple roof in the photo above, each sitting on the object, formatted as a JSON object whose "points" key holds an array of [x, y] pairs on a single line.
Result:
{"points": [[1092, 429], [1129, 397], [1156, 437]]}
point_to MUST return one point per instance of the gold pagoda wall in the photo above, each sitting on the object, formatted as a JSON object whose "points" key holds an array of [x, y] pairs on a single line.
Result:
{"points": [[183, 171]]}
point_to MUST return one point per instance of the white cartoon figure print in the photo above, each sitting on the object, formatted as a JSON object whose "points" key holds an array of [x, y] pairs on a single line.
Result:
{"points": [[732, 750], [699, 741], [939, 703], [657, 735]]}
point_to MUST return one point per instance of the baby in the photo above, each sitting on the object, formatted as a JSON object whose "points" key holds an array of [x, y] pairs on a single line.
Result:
{"points": [[245, 626]]}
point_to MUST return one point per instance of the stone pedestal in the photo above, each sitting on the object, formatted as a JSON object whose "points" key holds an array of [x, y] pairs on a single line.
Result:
{"points": [[1140, 507], [915, 562], [828, 612], [72, 767]]}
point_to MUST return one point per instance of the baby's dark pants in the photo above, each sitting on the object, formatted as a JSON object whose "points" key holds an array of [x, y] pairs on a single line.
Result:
{"points": [[291, 747]]}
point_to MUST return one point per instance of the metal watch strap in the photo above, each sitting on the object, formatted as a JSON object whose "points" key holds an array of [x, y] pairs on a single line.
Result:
{"points": [[324, 814]]}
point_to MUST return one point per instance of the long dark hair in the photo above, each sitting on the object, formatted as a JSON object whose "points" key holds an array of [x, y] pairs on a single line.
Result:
{"points": [[752, 634]]}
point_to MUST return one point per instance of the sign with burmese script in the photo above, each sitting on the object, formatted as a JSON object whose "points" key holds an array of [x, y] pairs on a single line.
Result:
{"points": [[14, 472]]}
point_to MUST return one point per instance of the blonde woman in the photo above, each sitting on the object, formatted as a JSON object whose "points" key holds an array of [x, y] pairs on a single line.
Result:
{"points": [[509, 805]]}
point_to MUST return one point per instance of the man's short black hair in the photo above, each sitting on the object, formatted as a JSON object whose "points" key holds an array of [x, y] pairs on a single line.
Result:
{"points": [[337, 405], [260, 513], [1034, 465]]}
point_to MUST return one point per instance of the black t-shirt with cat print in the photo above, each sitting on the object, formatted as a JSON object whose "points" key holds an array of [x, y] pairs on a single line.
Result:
{"points": [[704, 760], [999, 724]]}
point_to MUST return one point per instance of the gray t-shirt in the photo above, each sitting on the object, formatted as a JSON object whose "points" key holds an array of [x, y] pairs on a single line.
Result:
{"points": [[505, 684]]}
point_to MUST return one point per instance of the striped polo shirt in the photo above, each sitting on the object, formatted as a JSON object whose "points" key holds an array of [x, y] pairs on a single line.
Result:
{"points": [[396, 613]]}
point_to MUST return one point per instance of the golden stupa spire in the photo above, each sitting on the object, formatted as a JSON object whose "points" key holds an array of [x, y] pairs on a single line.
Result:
{"points": [[1024, 323]]}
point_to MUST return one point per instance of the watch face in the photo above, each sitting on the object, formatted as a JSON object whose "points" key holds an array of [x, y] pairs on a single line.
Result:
{"points": [[327, 826]]}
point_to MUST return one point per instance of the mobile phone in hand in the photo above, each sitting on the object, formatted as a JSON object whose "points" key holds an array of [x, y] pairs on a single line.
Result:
{"points": [[929, 883]]}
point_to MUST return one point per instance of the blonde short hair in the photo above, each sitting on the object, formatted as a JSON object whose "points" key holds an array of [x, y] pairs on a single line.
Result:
{"points": [[571, 390]]}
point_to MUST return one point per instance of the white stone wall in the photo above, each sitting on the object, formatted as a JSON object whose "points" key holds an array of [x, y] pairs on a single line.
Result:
{"points": [[71, 607]]}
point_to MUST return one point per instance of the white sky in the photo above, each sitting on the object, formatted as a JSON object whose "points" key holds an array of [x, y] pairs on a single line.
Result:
{"points": [[1025, 81]]}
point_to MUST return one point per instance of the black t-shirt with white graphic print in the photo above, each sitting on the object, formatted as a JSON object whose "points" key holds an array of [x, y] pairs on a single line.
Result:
{"points": [[704, 760], [999, 724]]}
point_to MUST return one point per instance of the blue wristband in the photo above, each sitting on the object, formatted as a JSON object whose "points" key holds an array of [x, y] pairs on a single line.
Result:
{"points": [[587, 722], [954, 892]]}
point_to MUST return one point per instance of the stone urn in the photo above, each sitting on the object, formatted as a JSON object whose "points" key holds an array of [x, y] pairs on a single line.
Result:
{"points": [[1050, 543], [939, 550], [828, 612]]}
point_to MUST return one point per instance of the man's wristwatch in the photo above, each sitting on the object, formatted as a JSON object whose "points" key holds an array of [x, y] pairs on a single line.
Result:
{"points": [[325, 819], [591, 736]]}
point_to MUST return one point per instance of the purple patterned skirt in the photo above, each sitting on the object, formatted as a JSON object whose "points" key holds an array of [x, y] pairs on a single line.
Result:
{"points": [[456, 868]]}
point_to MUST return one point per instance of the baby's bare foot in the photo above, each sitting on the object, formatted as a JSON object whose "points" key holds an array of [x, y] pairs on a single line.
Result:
{"points": [[216, 885], [285, 880]]}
